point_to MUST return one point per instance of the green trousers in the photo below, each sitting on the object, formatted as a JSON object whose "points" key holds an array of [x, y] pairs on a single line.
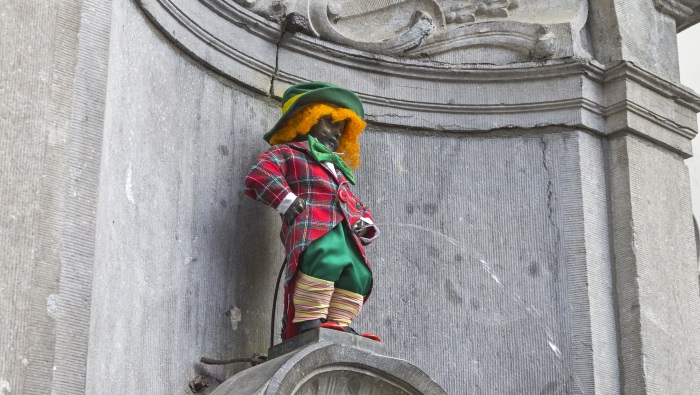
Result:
{"points": [[335, 257]]}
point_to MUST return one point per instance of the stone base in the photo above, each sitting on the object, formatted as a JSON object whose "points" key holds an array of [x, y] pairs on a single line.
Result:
{"points": [[325, 335], [324, 361]]}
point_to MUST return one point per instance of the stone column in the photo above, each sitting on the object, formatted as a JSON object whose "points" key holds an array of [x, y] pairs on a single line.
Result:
{"points": [[53, 72], [655, 268]]}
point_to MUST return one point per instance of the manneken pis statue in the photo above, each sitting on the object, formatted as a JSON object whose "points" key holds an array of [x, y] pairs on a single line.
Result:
{"points": [[324, 225]]}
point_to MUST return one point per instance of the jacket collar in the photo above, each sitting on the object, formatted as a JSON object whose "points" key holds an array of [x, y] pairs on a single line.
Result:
{"points": [[300, 146]]}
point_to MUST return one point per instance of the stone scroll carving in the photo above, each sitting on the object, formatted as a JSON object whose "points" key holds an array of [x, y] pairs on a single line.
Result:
{"points": [[469, 11], [521, 30], [406, 24]]}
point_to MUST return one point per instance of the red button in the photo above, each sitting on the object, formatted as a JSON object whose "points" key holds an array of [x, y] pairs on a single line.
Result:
{"points": [[343, 195]]}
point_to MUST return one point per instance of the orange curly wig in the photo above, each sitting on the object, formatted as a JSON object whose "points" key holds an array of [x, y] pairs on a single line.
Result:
{"points": [[303, 120]]}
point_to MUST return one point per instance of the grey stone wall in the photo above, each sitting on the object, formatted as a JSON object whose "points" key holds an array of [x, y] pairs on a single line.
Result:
{"points": [[483, 227], [494, 253], [692, 164], [655, 268], [184, 265], [53, 71], [537, 232]]}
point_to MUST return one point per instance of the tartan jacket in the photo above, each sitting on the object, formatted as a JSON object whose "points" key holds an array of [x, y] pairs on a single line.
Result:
{"points": [[286, 168]]}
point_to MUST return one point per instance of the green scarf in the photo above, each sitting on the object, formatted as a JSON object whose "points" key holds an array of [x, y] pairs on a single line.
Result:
{"points": [[322, 153]]}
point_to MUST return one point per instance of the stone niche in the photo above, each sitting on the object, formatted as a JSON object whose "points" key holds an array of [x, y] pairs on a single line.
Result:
{"points": [[510, 245]]}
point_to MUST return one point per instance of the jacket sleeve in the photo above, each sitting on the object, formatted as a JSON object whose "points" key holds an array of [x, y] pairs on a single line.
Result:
{"points": [[266, 181], [372, 229]]}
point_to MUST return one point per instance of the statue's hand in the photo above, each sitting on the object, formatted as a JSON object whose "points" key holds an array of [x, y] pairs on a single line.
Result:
{"points": [[294, 210], [360, 228]]}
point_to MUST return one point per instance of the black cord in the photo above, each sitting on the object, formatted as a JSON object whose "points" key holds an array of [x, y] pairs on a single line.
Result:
{"points": [[274, 304], [257, 359]]}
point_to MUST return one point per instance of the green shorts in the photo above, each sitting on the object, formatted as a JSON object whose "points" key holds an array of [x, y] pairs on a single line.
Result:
{"points": [[335, 257]]}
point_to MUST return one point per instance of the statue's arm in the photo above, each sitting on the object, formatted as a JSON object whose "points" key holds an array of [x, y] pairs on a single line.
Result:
{"points": [[294, 209], [365, 228], [266, 181]]}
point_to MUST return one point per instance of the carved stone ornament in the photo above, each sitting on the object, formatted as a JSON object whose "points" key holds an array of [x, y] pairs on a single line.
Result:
{"points": [[431, 28], [493, 73]]}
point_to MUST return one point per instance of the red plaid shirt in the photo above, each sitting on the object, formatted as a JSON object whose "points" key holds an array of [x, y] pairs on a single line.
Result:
{"points": [[286, 168]]}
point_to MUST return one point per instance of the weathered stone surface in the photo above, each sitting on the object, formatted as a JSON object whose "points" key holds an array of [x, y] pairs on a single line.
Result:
{"points": [[510, 241], [507, 78], [685, 12], [184, 264], [656, 272], [427, 28], [216, 33], [325, 335], [535, 216], [316, 365], [502, 200], [52, 73]]}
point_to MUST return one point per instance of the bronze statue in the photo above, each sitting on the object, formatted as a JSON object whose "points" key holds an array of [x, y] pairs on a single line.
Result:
{"points": [[324, 225]]}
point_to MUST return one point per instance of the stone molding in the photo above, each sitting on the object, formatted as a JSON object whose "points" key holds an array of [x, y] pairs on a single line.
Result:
{"points": [[640, 102], [240, 46], [675, 8], [690, 20], [428, 94], [685, 12]]}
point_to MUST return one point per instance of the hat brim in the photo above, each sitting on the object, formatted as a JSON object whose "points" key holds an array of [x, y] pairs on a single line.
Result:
{"points": [[333, 95]]}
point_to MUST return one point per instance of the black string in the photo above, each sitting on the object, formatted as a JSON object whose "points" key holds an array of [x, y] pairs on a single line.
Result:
{"points": [[274, 304]]}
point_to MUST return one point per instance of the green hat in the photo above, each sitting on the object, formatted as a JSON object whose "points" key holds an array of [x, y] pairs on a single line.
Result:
{"points": [[299, 95]]}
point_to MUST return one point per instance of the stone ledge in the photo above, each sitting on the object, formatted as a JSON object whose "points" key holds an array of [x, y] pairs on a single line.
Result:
{"points": [[315, 336], [330, 362]]}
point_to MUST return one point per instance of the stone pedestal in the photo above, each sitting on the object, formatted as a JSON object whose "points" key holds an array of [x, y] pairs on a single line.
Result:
{"points": [[327, 362]]}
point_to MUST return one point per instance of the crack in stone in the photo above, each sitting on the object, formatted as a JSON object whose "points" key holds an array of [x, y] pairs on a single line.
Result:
{"points": [[530, 310], [391, 115], [551, 197], [277, 63]]}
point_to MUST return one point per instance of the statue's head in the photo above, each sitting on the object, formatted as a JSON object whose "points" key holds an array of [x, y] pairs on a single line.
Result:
{"points": [[333, 115]]}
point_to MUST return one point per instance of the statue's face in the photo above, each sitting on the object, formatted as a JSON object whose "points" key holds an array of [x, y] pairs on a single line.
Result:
{"points": [[328, 132]]}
